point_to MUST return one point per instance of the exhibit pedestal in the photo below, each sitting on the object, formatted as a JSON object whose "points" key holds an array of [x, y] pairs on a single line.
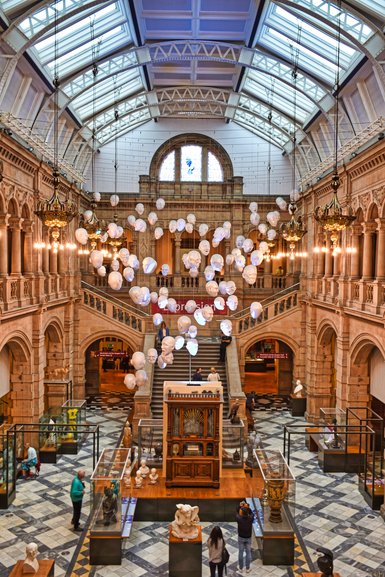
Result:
{"points": [[318, 575], [48, 455], [106, 549], [278, 541], [46, 569], [297, 406], [185, 557]]}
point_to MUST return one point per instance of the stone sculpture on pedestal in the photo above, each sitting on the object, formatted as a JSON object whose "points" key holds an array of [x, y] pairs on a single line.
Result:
{"points": [[185, 523], [31, 564]]}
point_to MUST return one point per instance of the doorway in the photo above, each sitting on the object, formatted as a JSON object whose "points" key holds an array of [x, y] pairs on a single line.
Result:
{"points": [[107, 362], [269, 368]]}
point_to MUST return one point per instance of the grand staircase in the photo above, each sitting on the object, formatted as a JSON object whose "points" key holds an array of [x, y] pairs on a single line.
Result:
{"points": [[207, 356]]}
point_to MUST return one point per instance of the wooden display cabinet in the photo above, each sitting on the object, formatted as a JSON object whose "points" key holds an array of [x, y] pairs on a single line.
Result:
{"points": [[193, 435]]}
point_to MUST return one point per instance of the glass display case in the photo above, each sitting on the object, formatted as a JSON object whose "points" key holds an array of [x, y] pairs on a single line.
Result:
{"points": [[332, 426], [233, 444], [73, 414], [49, 436], [8, 465], [150, 442], [278, 503], [106, 506], [369, 443], [193, 421]]}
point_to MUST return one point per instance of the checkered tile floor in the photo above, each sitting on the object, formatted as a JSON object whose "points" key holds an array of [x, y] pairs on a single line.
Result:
{"points": [[329, 511]]}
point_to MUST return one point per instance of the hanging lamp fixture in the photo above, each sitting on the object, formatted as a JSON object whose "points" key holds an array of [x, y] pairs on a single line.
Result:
{"points": [[331, 217], [293, 230], [55, 213]]}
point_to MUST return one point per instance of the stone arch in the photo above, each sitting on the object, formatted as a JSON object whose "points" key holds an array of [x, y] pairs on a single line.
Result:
{"points": [[92, 364], [135, 341], [13, 208], [21, 385], [55, 366], [325, 376], [359, 375], [192, 138], [25, 212], [359, 216], [372, 212], [282, 377], [2, 203], [255, 337]]}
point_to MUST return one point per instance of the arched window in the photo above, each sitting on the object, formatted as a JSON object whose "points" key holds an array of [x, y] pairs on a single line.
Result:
{"points": [[197, 164]]}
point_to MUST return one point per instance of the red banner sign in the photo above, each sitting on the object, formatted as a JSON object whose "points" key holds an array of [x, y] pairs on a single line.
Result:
{"points": [[181, 303], [109, 354], [272, 356]]}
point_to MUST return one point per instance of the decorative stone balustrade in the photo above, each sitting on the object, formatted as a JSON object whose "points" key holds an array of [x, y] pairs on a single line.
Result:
{"points": [[113, 308]]}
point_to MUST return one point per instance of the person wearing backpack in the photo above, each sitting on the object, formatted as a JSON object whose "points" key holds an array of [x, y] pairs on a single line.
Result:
{"points": [[216, 545], [244, 520]]}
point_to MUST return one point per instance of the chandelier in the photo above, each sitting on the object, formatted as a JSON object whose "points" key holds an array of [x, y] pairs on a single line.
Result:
{"points": [[292, 232], [54, 213], [331, 217]]}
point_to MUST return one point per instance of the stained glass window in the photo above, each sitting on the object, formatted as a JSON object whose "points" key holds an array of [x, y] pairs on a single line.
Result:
{"points": [[167, 169], [191, 163], [214, 169]]}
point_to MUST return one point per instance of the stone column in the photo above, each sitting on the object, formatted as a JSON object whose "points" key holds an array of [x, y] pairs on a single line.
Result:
{"points": [[177, 241], [320, 258], [45, 255], [367, 268], [380, 257], [52, 262], [28, 253], [15, 225], [4, 245], [355, 256], [328, 259]]}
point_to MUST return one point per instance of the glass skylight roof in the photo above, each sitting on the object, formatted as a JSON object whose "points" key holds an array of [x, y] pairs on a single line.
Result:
{"points": [[300, 33]]}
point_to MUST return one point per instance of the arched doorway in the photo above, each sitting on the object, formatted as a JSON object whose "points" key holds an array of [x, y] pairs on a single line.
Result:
{"points": [[107, 361], [269, 367], [5, 384]]}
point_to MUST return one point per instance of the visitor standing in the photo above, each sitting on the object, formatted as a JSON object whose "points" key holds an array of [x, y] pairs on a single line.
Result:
{"points": [[163, 332], [197, 376], [215, 544], [225, 341], [244, 520], [77, 492], [213, 375]]}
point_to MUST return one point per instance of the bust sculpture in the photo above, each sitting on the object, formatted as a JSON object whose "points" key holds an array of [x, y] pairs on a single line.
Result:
{"points": [[325, 562], [138, 480], [31, 564], [185, 523], [153, 478], [143, 469], [298, 388]]}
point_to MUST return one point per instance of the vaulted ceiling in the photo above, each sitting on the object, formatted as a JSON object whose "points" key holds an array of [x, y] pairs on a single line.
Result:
{"points": [[268, 65]]}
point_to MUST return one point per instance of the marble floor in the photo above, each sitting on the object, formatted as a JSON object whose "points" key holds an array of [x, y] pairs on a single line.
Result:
{"points": [[329, 511]]}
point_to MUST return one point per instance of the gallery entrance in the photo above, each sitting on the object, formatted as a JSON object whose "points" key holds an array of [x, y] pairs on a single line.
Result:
{"points": [[107, 362], [269, 368]]}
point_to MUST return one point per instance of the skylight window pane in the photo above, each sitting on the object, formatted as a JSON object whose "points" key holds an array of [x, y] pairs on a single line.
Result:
{"points": [[191, 163], [83, 54], [214, 169], [167, 169]]}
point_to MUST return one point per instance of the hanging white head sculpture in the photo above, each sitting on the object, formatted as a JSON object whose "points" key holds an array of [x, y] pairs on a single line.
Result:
{"points": [[131, 219], [81, 235], [152, 218], [138, 360], [149, 265], [130, 381], [115, 280], [253, 206], [158, 232], [250, 274], [203, 228], [160, 203], [226, 327], [212, 288], [168, 344], [192, 347], [204, 247], [217, 262], [255, 309], [165, 270], [184, 323], [139, 208], [172, 226], [157, 319], [152, 355], [232, 302], [141, 378], [209, 273], [129, 274], [219, 303], [190, 306], [256, 257], [114, 200], [179, 342]]}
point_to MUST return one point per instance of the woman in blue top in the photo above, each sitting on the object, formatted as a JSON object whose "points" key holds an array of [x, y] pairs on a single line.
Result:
{"points": [[163, 332]]}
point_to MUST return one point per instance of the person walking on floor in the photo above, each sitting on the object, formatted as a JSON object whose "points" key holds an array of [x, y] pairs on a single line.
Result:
{"points": [[77, 492], [244, 520], [215, 544]]}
